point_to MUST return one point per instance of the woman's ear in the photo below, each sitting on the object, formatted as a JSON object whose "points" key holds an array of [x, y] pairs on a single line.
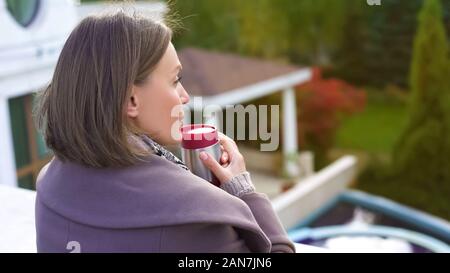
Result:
{"points": [[133, 103]]}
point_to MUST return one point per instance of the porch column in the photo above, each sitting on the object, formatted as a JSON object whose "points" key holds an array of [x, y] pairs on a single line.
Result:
{"points": [[7, 159], [290, 147]]}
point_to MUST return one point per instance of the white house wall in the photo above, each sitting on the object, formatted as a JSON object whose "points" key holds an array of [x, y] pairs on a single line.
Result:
{"points": [[24, 49]]}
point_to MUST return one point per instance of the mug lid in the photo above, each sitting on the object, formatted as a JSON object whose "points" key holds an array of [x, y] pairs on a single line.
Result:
{"points": [[195, 136]]}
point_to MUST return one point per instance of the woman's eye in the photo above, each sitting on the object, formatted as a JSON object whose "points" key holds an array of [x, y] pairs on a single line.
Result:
{"points": [[178, 80]]}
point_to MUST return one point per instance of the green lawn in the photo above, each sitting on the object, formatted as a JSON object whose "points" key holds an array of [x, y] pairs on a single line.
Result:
{"points": [[371, 135], [376, 129]]}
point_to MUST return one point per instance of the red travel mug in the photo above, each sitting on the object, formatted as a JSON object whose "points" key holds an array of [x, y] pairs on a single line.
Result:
{"points": [[197, 138]]}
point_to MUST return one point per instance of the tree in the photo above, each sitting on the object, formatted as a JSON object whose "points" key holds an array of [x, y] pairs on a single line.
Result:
{"points": [[377, 41], [262, 29], [351, 59], [421, 156], [314, 28], [321, 104], [389, 50], [210, 24]]}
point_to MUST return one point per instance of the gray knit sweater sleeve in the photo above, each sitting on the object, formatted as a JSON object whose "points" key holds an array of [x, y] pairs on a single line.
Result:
{"points": [[239, 185]]}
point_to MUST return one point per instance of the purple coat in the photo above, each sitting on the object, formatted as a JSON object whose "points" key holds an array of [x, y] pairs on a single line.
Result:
{"points": [[154, 206]]}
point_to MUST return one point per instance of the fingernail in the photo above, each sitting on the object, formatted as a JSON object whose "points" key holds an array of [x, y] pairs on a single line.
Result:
{"points": [[203, 156]]}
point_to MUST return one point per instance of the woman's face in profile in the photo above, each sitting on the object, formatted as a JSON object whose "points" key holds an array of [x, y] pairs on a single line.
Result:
{"points": [[156, 105]]}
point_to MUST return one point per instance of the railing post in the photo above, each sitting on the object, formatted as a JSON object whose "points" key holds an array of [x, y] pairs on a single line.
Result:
{"points": [[290, 145]]}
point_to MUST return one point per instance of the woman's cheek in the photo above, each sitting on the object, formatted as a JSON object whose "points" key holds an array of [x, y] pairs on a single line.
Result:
{"points": [[175, 113], [151, 120]]}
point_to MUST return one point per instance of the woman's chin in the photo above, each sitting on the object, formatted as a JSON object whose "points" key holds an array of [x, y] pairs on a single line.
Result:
{"points": [[175, 141], [170, 141]]}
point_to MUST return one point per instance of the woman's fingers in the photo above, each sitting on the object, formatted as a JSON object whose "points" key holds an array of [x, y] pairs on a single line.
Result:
{"points": [[220, 172], [230, 163], [224, 137], [224, 157], [228, 145]]}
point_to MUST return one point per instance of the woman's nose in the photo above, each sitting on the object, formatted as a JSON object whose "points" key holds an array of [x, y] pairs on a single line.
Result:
{"points": [[184, 95]]}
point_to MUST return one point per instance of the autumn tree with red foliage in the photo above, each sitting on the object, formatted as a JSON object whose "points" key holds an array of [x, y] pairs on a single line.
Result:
{"points": [[321, 104]]}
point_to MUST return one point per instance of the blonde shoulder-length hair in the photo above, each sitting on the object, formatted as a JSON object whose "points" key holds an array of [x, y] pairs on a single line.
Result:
{"points": [[82, 111]]}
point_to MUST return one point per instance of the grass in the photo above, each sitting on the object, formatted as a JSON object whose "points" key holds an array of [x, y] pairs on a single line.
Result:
{"points": [[371, 136], [376, 129]]}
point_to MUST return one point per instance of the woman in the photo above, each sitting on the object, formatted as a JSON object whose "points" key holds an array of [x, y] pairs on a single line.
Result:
{"points": [[111, 186]]}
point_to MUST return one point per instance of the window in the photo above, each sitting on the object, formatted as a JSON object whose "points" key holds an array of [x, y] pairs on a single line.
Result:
{"points": [[30, 151], [23, 11]]}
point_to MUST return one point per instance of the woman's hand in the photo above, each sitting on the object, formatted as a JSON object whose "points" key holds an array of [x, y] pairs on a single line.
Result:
{"points": [[231, 162]]}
